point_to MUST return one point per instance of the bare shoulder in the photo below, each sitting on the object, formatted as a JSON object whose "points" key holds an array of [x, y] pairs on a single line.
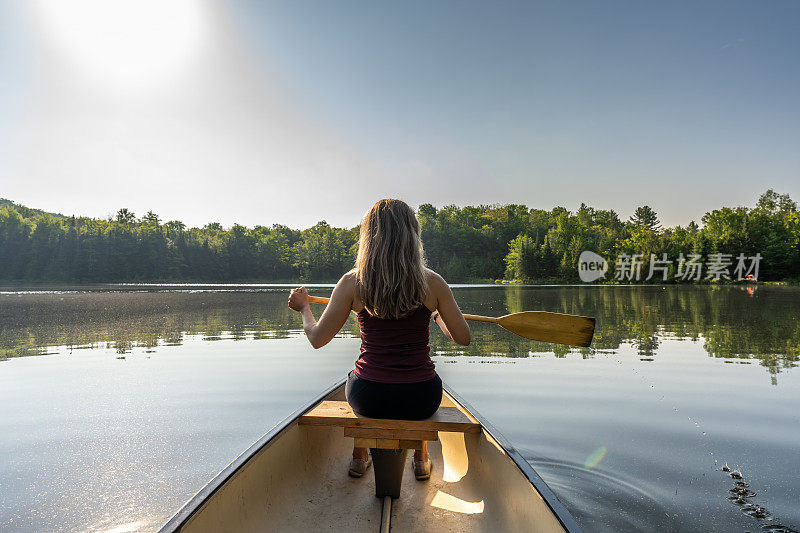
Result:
{"points": [[437, 288], [348, 283], [348, 280], [435, 281]]}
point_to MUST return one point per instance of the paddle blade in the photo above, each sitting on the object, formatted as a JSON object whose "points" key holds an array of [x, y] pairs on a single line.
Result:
{"points": [[550, 327]]}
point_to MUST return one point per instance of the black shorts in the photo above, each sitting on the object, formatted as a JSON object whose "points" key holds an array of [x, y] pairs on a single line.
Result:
{"points": [[403, 401]]}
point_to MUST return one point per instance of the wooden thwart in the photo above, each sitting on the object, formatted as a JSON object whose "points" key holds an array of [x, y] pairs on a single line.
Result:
{"points": [[388, 444], [388, 434], [407, 434], [338, 413]]}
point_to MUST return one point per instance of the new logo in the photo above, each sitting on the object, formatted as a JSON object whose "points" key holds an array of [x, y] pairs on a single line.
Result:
{"points": [[591, 266]]}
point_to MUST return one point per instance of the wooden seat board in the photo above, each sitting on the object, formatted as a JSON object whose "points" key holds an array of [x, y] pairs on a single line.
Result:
{"points": [[338, 413]]}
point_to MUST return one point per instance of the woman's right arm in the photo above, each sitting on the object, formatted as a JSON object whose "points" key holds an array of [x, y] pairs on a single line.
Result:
{"points": [[333, 318], [450, 319]]}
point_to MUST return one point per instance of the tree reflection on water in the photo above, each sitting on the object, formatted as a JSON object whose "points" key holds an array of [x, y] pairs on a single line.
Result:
{"points": [[732, 322]]}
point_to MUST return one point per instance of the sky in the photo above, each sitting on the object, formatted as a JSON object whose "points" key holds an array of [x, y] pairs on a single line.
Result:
{"points": [[294, 112]]}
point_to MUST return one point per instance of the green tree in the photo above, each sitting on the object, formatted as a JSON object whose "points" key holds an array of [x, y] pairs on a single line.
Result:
{"points": [[645, 217], [151, 219], [125, 216]]}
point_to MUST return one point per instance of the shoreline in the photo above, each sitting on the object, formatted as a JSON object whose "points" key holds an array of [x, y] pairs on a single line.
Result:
{"points": [[14, 287]]}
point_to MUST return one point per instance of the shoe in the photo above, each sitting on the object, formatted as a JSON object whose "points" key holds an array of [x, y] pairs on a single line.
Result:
{"points": [[422, 469], [359, 466]]}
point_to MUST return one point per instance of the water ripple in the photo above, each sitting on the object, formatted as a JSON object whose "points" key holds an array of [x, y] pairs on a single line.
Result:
{"points": [[601, 500]]}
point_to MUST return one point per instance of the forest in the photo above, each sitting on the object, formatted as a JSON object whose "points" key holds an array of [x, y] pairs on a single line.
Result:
{"points": [[464, 244]]}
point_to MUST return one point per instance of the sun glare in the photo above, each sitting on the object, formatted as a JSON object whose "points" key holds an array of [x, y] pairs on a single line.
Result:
{"points": [[124, 45], [454, 455], [442, 500]]}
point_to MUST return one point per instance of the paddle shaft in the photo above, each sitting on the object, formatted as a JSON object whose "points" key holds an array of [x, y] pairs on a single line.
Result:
{"points": [[476, 318], [479, 318]]}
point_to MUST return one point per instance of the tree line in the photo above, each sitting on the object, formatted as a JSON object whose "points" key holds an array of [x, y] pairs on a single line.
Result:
{"points": [[473, 243]]}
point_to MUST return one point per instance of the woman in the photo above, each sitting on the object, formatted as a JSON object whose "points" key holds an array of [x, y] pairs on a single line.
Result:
{"points": [[394, 297]]}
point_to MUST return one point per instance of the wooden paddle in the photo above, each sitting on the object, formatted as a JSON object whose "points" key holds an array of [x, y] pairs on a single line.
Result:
{"points": [[573, 330]]}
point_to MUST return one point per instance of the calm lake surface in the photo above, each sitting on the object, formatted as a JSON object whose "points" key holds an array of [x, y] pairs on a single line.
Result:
{"points": [[120, 402]]}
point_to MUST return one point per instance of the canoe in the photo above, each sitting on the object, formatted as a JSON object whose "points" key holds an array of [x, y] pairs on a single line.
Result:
{"points": [[294, 478]]}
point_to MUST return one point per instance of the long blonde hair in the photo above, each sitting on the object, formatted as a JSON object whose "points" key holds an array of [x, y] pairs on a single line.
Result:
{"points": [[390, 269]]}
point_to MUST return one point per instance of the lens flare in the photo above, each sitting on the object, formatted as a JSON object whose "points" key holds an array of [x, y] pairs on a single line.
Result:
{"points": [[595, 457]]}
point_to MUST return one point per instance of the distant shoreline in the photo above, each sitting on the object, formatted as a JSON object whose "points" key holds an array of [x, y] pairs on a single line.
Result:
{"points": [[34, 287]]}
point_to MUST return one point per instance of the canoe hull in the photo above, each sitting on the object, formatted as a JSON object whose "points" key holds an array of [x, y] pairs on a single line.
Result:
{"points": [[295, 478]]}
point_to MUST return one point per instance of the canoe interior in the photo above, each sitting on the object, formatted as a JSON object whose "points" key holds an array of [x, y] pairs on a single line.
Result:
{"points": [[297, 481]]}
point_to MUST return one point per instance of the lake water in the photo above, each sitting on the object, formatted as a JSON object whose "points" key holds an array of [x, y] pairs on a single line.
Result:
{"points": [[119, 403]]}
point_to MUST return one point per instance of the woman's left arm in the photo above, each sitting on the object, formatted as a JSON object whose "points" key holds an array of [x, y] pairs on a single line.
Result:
{"points": [[333, 318]]}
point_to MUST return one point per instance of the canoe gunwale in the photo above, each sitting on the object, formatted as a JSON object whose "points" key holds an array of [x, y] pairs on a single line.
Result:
{"points": [[197, 502], [562, 514]]}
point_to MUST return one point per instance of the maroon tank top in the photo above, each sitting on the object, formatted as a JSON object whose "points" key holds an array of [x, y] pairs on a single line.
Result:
{"points": [[395, 350]]}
